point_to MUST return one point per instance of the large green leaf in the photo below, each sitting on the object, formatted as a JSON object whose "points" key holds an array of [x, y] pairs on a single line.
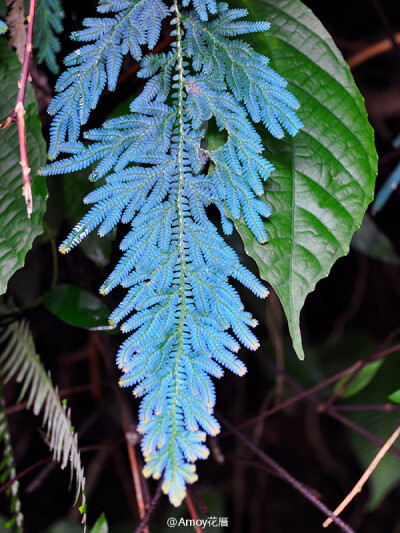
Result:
{"points": [[17, 232], [324, 178], [78, 307]]}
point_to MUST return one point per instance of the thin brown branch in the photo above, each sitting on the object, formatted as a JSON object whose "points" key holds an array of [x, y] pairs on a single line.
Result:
{"points": [[375, 356], [267, 470], [299, 487], [331, 411], [201, 504], [20, 112], [151, 509], [136, 475], [8, 121], [364, 478], [386, 407], [388, 28], [305, 393], [63, 393], [24, 472], [372, 51], [193, 512], [131, 435], [294, 399]]}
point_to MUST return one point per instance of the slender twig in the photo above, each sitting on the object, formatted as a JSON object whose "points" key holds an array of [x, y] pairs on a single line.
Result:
{"points": [[372, 51], [305, 393], [199, 500], [338, 393], [18, 115], [63, 393], [380, 353], [386, 408], [193, 512], [388, 28], [136, 473], [294, 399], [100, 446], [287, 477], [131, 435], [364, 478], [38, 480], [360, 430], [24, 472], [151, 509], [267, 470], [332, 411]]}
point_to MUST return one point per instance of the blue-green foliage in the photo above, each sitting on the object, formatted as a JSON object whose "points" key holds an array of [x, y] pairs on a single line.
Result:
{"points": [[390, 185], [48, 24], [184, 318]]}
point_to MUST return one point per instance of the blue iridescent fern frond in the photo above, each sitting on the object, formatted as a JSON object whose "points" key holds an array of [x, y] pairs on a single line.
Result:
{"points": [[186, 321]]}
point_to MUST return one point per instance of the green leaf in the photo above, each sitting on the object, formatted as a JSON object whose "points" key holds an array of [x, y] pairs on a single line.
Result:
{"points": [[3, 8], [372, 242], [78, 308], [17, 231], [363, 378], [395, 396], [101, 525], [324, 178]]}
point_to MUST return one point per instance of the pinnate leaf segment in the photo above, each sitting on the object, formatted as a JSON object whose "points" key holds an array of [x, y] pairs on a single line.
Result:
{"points": [[184, 318]]}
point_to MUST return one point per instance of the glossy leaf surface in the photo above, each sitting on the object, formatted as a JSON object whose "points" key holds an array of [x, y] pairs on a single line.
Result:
{"points": [[324, 177], [77, 307]]}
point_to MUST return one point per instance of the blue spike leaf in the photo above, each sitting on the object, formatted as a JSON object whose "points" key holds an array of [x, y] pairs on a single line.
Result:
{"points": [[185, 320]]}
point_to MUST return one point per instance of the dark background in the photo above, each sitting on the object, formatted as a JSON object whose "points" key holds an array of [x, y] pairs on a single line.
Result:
{"points": [[350, 314]]}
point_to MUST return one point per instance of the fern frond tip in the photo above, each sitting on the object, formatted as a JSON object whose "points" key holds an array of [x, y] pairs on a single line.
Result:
{"points": [[185, 319]]}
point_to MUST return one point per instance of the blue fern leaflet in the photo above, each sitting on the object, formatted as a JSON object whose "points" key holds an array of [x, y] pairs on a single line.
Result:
{"points": [[185, 320]]}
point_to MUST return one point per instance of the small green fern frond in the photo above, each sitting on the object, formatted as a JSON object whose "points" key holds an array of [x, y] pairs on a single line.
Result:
{"points": [[8, 471], [20, 362]]}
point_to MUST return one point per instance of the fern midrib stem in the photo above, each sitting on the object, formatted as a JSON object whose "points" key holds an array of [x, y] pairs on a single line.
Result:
{"points": [[181, 231]]}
